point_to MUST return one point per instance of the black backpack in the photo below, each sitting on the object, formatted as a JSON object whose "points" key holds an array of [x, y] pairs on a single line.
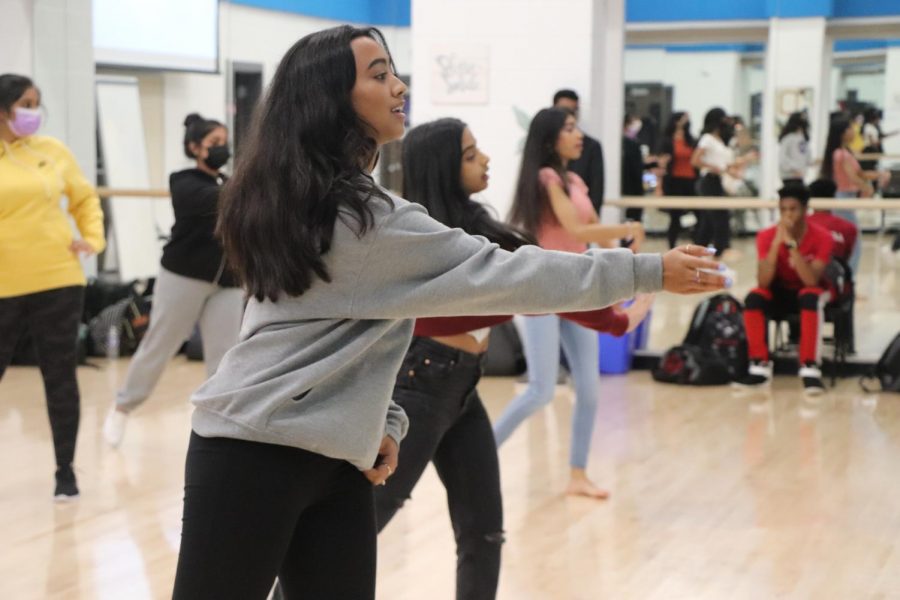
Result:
{"points": [[691, 365], [129, 316], [887, 370], [718, 326]]}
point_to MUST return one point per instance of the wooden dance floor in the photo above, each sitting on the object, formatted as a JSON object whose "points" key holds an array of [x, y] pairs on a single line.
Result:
{"points": [[714, 495]]}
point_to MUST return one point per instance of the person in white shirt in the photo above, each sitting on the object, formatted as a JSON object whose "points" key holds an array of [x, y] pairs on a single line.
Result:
{"points": [[713, 157], [794, 152]]}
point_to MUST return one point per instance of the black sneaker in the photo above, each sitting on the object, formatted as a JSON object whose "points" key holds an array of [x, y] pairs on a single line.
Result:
{"points": [[66, 488], [812, 380], [759, 374]]}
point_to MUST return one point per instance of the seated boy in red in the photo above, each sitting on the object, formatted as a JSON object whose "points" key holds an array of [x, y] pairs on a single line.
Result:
{"points": [[792, 259]]}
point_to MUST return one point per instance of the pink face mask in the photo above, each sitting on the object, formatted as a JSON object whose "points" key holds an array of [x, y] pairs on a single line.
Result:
{"points": [[26, 122], [633, 129]]}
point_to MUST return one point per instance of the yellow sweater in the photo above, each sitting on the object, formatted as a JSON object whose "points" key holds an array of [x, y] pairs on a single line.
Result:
{"points": [[35, 172]]}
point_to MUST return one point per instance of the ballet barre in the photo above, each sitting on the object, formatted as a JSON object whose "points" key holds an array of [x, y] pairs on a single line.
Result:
{"points": [[661, 202], [741, 202], [870, 156], [105, 192]]}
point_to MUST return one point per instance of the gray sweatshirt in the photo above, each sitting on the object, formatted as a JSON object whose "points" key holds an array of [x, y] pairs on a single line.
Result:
{"points": [[316, 371]]}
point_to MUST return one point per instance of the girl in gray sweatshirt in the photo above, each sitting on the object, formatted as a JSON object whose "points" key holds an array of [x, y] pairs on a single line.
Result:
{"points": [[297, 424]]}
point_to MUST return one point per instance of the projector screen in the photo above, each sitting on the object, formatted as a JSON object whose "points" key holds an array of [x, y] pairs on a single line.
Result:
{"points": [[178, 35]]}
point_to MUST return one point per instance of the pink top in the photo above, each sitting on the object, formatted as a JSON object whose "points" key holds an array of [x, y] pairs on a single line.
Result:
{"points": [[553, 236], [841, 179]]}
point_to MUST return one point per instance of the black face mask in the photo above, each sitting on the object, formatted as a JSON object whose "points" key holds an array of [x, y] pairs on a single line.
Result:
{"points": [[217, 157]]}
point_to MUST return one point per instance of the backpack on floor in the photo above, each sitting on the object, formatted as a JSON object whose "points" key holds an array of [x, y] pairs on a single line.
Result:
{"points": [[718, 326], [691, 365], [129, 317], [887, 370], [101, 293]]}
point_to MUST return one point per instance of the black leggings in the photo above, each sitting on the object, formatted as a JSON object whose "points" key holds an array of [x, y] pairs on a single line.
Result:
{"points": [[713, 226], [254, 511], [52, 318], [449, 427], [677, 186]]}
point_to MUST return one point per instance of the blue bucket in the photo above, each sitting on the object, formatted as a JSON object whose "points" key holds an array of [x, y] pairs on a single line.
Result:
{"points": [[616, 353]]}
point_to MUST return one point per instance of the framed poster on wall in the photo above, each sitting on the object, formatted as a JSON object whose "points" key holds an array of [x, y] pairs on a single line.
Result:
{"points": [[459, 75]]}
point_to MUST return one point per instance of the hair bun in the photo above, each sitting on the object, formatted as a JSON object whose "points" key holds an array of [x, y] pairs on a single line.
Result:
{"points": [[191, 119]]}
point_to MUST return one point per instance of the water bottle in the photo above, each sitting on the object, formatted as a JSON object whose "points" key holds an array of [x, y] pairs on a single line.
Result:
{"points": [[112, 343]]}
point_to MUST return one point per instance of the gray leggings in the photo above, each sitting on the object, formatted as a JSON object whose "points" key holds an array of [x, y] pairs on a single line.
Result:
{"points": [[178, 303]]}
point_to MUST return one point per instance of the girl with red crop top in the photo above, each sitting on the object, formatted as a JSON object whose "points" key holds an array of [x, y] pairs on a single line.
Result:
{"points": [[552, 204], [436, 386], [681, 177]]}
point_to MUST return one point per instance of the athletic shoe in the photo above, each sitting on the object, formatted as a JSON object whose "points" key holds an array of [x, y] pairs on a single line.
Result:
{"points": [[114, 426], [812, 380], [759, 374], [66, 488]]}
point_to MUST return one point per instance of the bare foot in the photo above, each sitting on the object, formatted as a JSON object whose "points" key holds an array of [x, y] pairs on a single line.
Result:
{"points": [[580, 485]]}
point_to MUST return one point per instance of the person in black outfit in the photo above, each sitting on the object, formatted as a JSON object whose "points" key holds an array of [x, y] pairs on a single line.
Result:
{"points": [[590, 165], [632, 165], [194, 283], [713, 157]]}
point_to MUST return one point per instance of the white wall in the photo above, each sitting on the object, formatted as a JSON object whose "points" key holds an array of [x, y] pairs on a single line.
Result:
{"points": [[247, 35], [63, 67], [869, 86], [891, 101], [50, 41], [15, 37], [700, 80], [603, 114], [533, 49], [798, 55]]}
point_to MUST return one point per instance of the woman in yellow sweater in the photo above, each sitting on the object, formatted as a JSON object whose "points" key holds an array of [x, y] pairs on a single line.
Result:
{"points": [[41, 279]]}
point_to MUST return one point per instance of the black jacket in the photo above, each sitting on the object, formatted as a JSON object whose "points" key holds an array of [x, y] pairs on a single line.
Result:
{"points": [[192, 250], [632, 168], [590, 168]]}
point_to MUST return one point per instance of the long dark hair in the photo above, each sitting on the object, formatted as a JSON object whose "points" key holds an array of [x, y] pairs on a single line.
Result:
{"points": [[195, 129], [531, 200], [714, 120], [11, 89], [796, 122], [835, 140], [872, 115], [302, 168], [432, 159], [672, 125]]}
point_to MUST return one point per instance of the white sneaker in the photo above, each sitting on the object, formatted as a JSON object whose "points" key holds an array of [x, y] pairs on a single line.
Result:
{"points": [[114, 426], [812, 380]]}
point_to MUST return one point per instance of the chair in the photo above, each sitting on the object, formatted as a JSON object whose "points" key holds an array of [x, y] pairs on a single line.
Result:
{"points": [[838, 282]]}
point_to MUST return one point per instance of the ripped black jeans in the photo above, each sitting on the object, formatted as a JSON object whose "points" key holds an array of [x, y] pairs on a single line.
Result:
{"points": [[449, 426]]}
